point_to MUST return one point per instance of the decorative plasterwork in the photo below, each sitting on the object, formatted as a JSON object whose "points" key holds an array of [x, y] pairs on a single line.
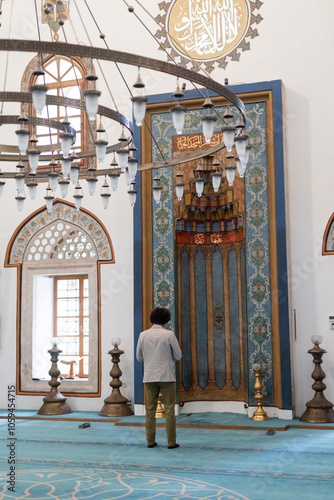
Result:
{"points": [[65, 212]]}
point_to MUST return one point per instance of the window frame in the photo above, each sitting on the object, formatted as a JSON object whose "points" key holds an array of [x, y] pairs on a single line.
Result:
{"points": [[81, 278], [82, 386], [15, 259], [60, 85]]}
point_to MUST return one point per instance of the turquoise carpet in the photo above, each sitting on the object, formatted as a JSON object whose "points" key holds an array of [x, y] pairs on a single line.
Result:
{"points": [[106, 461]]}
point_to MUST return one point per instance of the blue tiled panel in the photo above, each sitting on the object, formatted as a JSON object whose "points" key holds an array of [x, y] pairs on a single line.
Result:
{"points": [[244, 306], [257, 256]]}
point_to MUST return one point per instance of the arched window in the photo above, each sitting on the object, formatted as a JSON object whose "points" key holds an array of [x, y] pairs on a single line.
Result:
{"points": [[58, 255], [65, 77]]}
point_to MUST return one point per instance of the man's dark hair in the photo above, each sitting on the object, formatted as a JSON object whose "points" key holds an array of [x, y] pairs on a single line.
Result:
{"points": [[160, 316]]}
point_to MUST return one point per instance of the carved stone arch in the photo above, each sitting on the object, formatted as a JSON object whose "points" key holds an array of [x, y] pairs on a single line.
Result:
{"points": [[45, 234]]}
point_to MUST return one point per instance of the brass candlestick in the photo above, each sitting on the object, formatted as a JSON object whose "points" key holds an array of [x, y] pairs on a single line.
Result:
{"points": [[160, 412], [116, 404], [259, 414], [319, 409], [54, 402]]}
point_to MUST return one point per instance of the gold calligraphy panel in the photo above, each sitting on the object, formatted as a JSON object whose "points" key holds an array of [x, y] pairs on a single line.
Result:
{"points": [[206, 30], [195, 141]]}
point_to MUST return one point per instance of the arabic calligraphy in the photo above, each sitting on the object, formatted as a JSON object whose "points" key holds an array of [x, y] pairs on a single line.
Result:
{"points": [[185, 238], [207, 29], [217, 238], [199, 239], [195, 141]]}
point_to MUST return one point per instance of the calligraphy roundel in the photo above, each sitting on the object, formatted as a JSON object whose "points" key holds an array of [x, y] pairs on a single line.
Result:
{"points": [[206, 31]]}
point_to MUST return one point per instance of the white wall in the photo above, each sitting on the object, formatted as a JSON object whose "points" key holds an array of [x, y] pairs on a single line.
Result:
{"points": [[295, 45]]}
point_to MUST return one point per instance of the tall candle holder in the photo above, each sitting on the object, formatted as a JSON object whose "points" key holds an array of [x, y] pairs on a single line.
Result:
{"points": [[319, 409], [54, 403], [260, 414], [160, 412], [115, 405]]}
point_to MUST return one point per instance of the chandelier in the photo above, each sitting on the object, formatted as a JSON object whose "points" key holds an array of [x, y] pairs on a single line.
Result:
{"points": [[61, 163]]}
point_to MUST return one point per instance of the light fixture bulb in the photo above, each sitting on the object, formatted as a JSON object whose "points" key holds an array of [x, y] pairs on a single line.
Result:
{"points": [[244, 159], [132, 194], [100, 148], [123, 155], [49, 199], [77, 201], [127, 177], [105, 194], [92, 102], [53, 180], [178, 113], [19, 181], [230, 174], [240, 167], [228, 135], [156, 188], [157, 193], [66, 167], [199, 186], [33, 156], [179, 186], [114, 178], [32, 189], [77, 196], [216, 179], [22, 140], [74, 174], [132, 167], [208, 125], [20, 201], [63, 184], [65, 143], [105, 200], [139, 108], [38, 93], [240, 144], [91, 181]]}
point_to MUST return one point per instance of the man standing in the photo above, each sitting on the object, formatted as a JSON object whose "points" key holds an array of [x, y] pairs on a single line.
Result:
{"points": [[158, 348]]}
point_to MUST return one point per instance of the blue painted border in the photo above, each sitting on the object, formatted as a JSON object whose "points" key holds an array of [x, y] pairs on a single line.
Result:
{"points": [[138, 276], [276, 87]]}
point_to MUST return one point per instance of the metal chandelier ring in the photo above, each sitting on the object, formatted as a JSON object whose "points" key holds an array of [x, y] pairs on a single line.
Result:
{"points": [[58, 101], [65, 49]]}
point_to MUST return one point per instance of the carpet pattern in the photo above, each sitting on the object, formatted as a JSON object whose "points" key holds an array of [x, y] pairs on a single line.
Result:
{"points": [[57, 460]]}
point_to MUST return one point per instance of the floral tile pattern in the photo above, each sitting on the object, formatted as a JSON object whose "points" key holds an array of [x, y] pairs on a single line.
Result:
{"points": [[256, 242]]}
